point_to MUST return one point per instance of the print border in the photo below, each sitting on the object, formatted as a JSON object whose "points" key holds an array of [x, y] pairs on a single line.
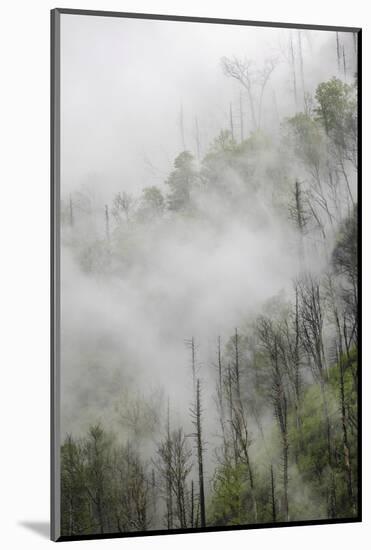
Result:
{"points": [[55, 515]]}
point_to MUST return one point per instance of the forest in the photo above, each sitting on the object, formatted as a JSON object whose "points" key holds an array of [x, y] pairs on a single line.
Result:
{"points": [[218, 373]]}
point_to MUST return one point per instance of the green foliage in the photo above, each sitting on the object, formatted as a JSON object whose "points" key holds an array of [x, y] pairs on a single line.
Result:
{"points": [[152, 204], [75, 518], [181, 182], [228, 505], [310, 442], [257, 142], [336, 108], [304, 135], [345, 253], [104, 486], [224, 144]]}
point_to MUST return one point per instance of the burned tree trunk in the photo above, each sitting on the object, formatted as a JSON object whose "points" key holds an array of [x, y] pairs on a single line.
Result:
{"points": [[237, 367], [344, 425], [168, 472], [270, 340], [196, 413], [273, 497], [292, 61]]}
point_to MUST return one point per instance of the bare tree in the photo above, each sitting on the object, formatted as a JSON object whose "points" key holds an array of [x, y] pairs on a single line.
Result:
{"points": [[196, 414], [290, 347], [273, 497], [301, 61], [107, 224], [242, 72], [192, 347], [197, 137], [251, 81], [231, 120], [344, 426], [298, 212], [220, 393], [263, 78], [270, 341], [338, 51], [98, 456], [293, 69], [164, 465], [131, 491]]}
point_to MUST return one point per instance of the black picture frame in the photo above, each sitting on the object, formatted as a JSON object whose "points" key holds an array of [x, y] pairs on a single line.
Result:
{"points": [[55, 266]]}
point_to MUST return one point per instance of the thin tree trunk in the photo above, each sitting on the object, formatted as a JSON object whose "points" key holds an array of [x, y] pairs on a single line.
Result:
{"points": [[107, 224], [231, 120], [346, 447], [241, 118], [200, 454], [273, 497], [198, 146], [292, 59]]}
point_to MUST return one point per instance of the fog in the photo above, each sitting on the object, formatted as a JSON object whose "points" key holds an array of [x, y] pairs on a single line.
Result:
{"points": [[136, 288], [124, 83]]}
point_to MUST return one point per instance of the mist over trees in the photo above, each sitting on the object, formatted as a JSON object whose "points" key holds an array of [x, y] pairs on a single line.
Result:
{"points": [[210, 322]]}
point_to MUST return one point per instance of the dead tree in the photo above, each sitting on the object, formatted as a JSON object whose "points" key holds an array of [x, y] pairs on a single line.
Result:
{"points": [[289, 348], [338, 51], [238, 422], [242, 72], [280, 409], [190, 344], [231, 408], [237, 366], [192, 506], [273, 497], [242, 437], [107, 224], [299, 215], [344, 64], [301, 60], [97, 452], [135, 492], [263, 78], [270, 340], [241, 119], [293, 70], [254, 82], [219, 394], [197, 137], [196, 414], [344, 426], [231, 120], [311, 319], [181, 466], [311, 325], [164, 465]]}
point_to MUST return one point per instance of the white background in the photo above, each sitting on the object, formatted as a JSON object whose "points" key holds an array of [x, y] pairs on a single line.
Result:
{"points": [[24, 254]]}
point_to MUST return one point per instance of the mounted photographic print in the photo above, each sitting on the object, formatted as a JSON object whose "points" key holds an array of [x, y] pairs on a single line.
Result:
{"points": [[205, 274]]}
